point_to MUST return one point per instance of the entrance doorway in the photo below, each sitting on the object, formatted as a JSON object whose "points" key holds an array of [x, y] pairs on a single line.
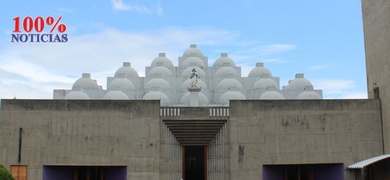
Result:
{"points": [[194, 163]]}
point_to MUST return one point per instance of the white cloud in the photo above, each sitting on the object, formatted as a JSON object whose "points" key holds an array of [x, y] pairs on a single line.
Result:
{"points": [[278, 48], [159, 8], [64, 10], [339, 89], [119, 5], [319, 67], [24, 89], [355, 95], [333, 84], [34, 70], [269, 49], [261, 52]]}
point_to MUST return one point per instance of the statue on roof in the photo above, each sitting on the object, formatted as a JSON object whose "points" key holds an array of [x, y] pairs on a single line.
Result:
{"points": [[194, 79]]}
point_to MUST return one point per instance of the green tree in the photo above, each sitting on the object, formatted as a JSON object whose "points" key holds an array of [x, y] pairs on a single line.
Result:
{"points": [[5, 174]]}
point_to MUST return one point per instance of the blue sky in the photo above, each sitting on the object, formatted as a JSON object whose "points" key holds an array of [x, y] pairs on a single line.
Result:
{"points": [[322, 39]]}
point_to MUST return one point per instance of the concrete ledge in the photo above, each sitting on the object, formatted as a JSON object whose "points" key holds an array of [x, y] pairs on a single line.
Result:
{"points": [[134, 106], [240, 106]]}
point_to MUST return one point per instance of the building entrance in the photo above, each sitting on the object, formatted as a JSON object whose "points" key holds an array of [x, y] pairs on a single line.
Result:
{"points": [[194, 163]]}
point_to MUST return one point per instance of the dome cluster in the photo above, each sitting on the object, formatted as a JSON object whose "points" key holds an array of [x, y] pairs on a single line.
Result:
{"points": [[218, 83]]}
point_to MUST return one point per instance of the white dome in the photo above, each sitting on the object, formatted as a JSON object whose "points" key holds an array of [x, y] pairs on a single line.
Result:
{"points": [[187, 83], [227, 83], [115, 95], [161, 60], [193, 61], [76, 95], [160, 71], [226, 71], [157, 95], [263, 83], [259, 70], [271, 95], [85, 83], [231, 95], [224, 60], [309, 95], [161, 83], [188, 71], [127, 70], [202, 99], [298, 84], [193, 51], [121, 84]]}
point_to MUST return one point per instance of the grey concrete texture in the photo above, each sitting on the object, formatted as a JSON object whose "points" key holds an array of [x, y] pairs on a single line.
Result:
{"points": [[278, 132], [376, 22], [58, 132], [132, 133]]}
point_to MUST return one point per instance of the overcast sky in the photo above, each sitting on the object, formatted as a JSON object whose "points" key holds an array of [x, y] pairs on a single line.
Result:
{"points": [[322, 39]]}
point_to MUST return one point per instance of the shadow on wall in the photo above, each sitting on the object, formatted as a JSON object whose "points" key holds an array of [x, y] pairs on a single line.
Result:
{"points": [[84, 172], [304, 171]]}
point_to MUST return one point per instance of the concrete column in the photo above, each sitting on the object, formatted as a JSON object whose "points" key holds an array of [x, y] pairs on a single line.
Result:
{"points": [[194, 96]]}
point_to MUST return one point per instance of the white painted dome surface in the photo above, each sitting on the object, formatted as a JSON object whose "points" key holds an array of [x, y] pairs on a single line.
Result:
{"points": [[76, 95], [188, 71], [271, 95], [160, 71], [263, 83], [158, 82], [224, 61], [173, 81], [115, 95], [187, 83], [231, 95], [309, 95], [227, 83], [161, 60], [157, 95], [193, 61], [121, 84], [127, 70], [298, 84], [226, 71], [193, 51], [85, 83], [259, 70], [186, 99]]}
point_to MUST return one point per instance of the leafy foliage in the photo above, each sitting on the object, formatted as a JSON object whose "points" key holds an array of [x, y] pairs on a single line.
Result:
{"points": [[5, 174]]}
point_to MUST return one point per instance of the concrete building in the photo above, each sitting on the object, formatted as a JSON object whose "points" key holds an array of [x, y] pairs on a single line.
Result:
{"points": [[139, 139], [376, 19], [118, 134]]}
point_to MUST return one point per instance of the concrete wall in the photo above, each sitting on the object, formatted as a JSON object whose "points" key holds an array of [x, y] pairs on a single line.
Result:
{"points": [[133, 134], [218, 148], [376, 20], [302, 132], [59, 132]]}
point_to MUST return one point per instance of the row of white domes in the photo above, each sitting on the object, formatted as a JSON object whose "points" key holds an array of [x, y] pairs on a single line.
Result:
{"points": [[122, 83], [161, 66], [203, 100], [225, 65]]}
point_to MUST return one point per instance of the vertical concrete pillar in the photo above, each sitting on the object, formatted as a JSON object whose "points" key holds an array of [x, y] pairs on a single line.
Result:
{"points": [[376, 21], [194, 96]]}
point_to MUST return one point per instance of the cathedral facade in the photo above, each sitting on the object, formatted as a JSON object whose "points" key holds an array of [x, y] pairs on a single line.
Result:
{"points": [[168, 126]]}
